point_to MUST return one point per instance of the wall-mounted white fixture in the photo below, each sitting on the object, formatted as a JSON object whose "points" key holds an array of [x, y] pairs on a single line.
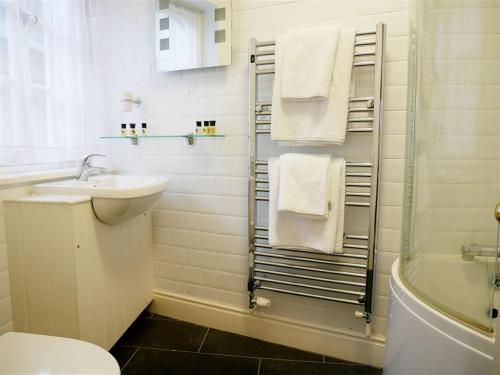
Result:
{"points": [[129, 101]]}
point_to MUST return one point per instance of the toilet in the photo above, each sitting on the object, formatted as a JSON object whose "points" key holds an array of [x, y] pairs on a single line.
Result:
{"points": [[26, 353]]}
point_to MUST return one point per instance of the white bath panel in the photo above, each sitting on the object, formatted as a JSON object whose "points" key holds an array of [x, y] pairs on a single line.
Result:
{"points": [[422, 340]]}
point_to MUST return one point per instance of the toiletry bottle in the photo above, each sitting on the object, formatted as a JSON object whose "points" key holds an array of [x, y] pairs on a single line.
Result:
{"points": [[144, 129], [133, 133], [123, 131], [199, 129], [212, 127], [206, 127]]}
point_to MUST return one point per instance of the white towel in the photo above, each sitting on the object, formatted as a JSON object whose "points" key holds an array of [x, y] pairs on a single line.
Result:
{"points": [[304, 186], [319, 122], [308, 60], [295, 231]]}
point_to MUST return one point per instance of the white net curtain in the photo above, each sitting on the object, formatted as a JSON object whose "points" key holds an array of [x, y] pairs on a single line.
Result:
{"points": [[44, 62]]}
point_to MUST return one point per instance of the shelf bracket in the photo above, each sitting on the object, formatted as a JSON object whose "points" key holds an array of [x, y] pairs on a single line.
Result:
{"points": [[189, 139]]}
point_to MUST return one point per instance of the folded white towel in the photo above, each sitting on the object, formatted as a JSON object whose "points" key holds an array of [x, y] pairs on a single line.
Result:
{"points": [[304, 186], [299, 232], [308, 60], [317, 122]]}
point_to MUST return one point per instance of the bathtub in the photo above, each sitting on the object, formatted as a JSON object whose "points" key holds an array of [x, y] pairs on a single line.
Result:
{"points": [[421, 340]]}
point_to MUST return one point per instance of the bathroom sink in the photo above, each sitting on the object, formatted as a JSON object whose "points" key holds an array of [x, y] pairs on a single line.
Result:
{"points": [[115, 198]]}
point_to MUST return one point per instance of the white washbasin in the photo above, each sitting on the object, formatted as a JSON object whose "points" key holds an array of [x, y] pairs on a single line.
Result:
{"points": [[115, 198]]}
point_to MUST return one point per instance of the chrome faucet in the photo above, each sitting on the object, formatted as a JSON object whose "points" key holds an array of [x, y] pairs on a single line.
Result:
{"points": [[86, 169]]}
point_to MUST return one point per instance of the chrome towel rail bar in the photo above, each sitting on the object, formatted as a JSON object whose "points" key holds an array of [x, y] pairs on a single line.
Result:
{"points": [[317, 296], [311, 269], [315, 278]]}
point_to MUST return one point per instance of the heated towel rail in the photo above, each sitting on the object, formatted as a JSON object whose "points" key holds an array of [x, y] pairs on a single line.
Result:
{"points": [[347, 277]]}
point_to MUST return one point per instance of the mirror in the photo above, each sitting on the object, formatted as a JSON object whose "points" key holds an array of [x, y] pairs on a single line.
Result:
{"points": [[192, 34]]}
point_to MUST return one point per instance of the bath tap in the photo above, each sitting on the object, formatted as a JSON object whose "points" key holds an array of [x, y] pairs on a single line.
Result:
{"points": [[475, 250], [86, 169]]}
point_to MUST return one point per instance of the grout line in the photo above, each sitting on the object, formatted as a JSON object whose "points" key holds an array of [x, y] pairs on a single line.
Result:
{"points": [[203, 341], [239, 356], [258, 369], [132, 356]]}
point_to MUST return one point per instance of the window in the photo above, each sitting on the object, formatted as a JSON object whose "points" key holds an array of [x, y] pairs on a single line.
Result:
{"points": [[44, 57]]}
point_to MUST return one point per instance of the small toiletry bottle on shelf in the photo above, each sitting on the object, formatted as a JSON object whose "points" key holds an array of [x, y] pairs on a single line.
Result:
{"points": [[133, 133], [212, 127], [199, 129], [123, 131], [206, 127], [144, 129]]}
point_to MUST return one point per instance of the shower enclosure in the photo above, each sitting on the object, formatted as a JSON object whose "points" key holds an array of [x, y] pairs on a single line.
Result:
{"points": [[450, 235]]}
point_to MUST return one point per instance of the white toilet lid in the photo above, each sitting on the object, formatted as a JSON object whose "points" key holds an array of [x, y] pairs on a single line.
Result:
{"points": [[25, 353]]}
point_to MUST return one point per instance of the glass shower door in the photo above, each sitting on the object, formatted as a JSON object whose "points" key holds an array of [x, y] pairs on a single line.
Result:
{"points": [[451, 184], [496, 276]]}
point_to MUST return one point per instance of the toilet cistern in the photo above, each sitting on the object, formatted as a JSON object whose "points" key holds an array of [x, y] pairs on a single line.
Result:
{"points": [[86, 169]]}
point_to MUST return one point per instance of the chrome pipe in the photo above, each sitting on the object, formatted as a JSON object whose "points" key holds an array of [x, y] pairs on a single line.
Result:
{"points": [[340, 255], [317, 296], [354, 99], [360, 110], [378, 113], [365, 43], [265, 62], [364, 63], [357, 204], [311, 269], [360, 130], [358, 184], [310, 260], [315, 278], [264, 71], [358, 54], [354, 246], [356, 237], [347, 194], [360, 119], [358, 174], [309, 286], [354, 64], [272, 42], [361, 99], [348, 163], [351, 204], [348, 236], [251, 171]]}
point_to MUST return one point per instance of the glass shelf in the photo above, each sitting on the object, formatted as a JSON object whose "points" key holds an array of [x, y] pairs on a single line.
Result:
{"points": [[188, 137]]}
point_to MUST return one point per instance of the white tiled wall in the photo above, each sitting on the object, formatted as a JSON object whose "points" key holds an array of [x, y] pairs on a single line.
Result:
{"points": [[200, 223]]}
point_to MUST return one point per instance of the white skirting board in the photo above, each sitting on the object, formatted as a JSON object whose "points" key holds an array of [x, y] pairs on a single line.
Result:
{"points": [[343, 344]]}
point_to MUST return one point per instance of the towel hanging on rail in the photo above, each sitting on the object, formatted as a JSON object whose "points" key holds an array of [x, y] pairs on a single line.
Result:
{"points": [[299, 232], [318, 123], [308, 61], [304, 186]]}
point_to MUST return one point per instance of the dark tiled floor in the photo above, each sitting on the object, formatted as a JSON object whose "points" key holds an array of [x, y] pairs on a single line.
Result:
{"points": [[159, 345]]}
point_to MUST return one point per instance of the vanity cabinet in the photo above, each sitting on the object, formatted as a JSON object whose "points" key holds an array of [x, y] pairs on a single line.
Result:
{"points": [[73, 276]]}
